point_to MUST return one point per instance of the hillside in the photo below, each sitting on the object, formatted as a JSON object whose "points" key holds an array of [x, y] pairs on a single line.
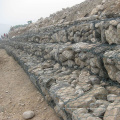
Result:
{"points": [[103, 8]]}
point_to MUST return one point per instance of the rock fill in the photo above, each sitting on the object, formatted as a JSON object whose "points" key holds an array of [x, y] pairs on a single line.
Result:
{"points": [[75, 64]]}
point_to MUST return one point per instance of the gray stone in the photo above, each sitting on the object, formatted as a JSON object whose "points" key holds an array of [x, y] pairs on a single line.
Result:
{"points": [[60, 90], [102, 102], [112, 112], [118, 30], [94, 79], [98, 112], [56, 66], [92, 62], [60, 112], [84, 101], [97, 104], [79, 91], [80, 62], [110, 60], [97, 25], [111, 35], [62, 58], [111, 97], [82, 114], [113, 90], [87, 87], [68, 54], [93, 40], [82, 56], [114, 22], [95, 70], [118, 76], [70, 63], [79, 113], [103, 1], [28, 115], [60, 36], [97, 9], [83, 77]]}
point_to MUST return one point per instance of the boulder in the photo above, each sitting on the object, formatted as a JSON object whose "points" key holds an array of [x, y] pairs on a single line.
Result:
{"points": [[111, 35], [102, 102], [61, 36], [112, 112], [99, 112], [82, 114], [114, 22], [97, 92], [111, 60], [113, 90], [83, 78], [56, 66], [97, 9], [97, 104], [59, 91], [79, 62], [79, 91]]}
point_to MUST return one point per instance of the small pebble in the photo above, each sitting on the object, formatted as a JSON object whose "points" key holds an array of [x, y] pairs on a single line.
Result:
{"points": [[28, 115]]}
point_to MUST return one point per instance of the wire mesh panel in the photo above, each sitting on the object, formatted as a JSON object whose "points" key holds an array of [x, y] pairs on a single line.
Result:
{"points": [[76, 67]]}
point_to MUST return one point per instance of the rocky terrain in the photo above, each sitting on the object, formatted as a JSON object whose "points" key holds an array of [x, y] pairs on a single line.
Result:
{"points": [[106, 8], [73, 58]]}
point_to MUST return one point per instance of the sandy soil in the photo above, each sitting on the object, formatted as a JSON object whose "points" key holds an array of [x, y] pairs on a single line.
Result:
{"points": [[18, 94]]}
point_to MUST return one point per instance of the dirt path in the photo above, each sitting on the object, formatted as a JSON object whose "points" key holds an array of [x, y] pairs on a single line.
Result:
{"points": [[18, 94]]}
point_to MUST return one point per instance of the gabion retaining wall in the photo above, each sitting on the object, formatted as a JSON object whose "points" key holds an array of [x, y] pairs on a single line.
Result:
{"points": [[75, 66]]}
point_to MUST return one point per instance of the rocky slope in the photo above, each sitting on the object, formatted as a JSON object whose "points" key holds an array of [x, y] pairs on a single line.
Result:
{"points": [[75, 64], [105, 8]]}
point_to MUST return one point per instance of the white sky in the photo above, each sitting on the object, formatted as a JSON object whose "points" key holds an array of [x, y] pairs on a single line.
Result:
{"points": [[14, 12]]}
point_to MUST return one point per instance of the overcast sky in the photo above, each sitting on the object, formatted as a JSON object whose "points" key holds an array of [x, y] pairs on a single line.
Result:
{"points": [[14, 12]]}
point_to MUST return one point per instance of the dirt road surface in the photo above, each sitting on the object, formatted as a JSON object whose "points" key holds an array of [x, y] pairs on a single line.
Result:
{"points": [[18, 94]]}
